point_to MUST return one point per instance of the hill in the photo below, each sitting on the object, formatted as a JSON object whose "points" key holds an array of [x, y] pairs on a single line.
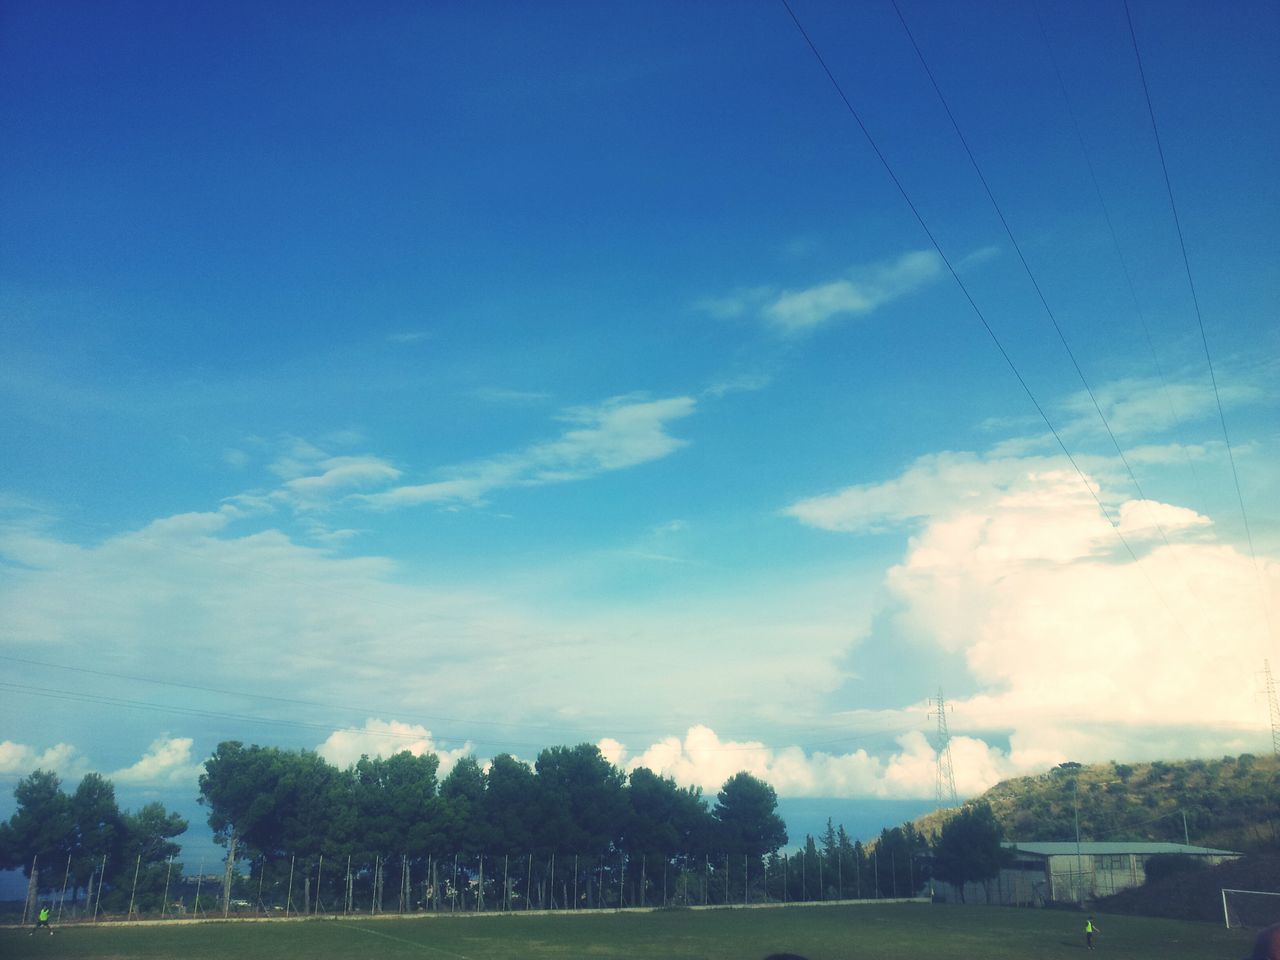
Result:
{"points": [[1229, 803]]}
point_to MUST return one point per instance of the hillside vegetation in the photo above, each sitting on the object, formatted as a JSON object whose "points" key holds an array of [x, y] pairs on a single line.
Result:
{"points": [[1232, 803]]}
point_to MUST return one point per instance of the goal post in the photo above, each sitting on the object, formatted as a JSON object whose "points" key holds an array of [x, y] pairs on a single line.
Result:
{"points": [[1250, 908]]}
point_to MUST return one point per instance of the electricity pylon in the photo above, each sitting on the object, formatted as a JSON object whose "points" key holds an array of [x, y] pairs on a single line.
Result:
{"points": [[946, 781], [1274, 703]]}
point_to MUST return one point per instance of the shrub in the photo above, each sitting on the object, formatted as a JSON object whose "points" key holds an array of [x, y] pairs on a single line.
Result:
{"points": [[1163, 865]]}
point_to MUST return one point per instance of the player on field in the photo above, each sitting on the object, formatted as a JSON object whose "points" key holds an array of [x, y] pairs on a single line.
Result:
{"points": [[42, 920], [1090, 928]]}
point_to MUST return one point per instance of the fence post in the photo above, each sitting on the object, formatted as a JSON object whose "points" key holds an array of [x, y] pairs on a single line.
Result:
{"points": [[134, 893], [33, 888], [61, 900], [101, 877], [164, 900]]}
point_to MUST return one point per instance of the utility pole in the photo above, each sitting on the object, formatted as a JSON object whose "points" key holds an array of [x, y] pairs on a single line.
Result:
{"points": [[946, 775]]}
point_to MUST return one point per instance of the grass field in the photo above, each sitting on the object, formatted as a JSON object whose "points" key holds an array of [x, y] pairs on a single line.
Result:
{"points": [[890, 932]]}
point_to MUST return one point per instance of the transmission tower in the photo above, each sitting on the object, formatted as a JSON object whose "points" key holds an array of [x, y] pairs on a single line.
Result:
{"points": [[1274, 703], [946, 782]]}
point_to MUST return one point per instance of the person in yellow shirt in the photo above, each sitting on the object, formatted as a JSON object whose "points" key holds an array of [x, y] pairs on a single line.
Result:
{"points": [[42, 920], [1090, 928]]}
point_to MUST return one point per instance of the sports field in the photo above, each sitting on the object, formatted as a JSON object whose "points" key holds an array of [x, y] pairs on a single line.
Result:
{"points": [[891, 932]]}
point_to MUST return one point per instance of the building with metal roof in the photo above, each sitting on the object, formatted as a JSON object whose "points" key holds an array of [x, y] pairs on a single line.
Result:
{"points": [[1065, 871]]}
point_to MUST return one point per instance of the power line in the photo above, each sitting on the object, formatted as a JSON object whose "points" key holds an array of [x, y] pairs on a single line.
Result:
{"points": [[1053, 320], [1115, 243], [973, 304], [1195, 301]]}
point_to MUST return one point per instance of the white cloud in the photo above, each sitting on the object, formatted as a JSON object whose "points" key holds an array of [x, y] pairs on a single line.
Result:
{"points": [[383, 738], [701, 758], [1015, 568], [1147, 518], [1147, 405], [741, 383], [931, 486], [736, 304], [864, 290], [21, 760], [620, 433], [338, 475], [167, 761], [322, 626]]}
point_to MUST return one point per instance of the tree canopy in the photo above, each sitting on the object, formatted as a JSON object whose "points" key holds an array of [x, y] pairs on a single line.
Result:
{"points": [[968, 849], [572, 801], [72, 836]]}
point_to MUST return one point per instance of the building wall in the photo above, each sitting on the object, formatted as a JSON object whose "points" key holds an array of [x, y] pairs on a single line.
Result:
{"points": [[1032, 881]]}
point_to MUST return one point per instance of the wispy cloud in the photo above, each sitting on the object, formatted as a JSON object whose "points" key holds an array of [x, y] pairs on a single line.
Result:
{"points": [[620, 433], [505, 395], [738, 303], [1147, 405], [338, 475], [741, 383], [860, 292]]}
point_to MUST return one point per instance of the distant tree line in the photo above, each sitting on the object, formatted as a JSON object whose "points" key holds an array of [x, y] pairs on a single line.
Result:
{"points": [[83, 842], [572, 830]]}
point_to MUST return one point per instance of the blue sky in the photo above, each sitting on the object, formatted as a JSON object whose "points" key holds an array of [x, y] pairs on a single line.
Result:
{"points": [[484, 377]]}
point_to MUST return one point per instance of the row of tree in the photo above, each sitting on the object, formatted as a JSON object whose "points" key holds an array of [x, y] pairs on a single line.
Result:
{"points": [[266, 802], [77, 841], [571, 830]]}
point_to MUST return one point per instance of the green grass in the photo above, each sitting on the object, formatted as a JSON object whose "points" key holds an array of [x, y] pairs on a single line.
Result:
{"points": [[890, 932]]}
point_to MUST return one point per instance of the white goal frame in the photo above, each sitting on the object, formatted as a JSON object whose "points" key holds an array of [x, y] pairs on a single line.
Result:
{"points": [[1226, 916]]}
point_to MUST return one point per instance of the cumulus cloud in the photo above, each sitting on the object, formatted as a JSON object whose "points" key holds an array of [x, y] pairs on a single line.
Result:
{"points": [[862, 291], [167, 761], [21, 759], [1013, 567], [383, 738], [701, 758]]}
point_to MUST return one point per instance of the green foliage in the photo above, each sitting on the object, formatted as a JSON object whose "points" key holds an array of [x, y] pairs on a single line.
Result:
{"points": [[969, 850], [747, 810], [73, 836], [1228, 803], [43, 827], [572, 816]]}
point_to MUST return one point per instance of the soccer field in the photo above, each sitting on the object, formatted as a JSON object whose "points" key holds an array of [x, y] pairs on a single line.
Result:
{"points": [[891, 932]]}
